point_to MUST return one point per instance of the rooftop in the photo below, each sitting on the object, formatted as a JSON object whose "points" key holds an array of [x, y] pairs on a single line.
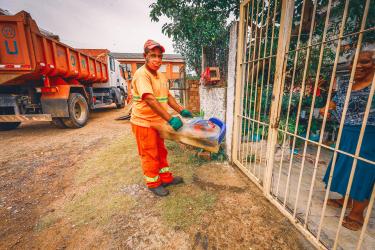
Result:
{"points": [[139, 56]]}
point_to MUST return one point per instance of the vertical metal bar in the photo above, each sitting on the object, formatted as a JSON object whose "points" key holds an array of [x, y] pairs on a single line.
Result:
{"points": [[310, 118], [261, 89], [245, 76], [251, 81], [256, 87], [283, 44], [282, 93], [269, 68], [367, 218], [342, 27], [238, 85], [300, 102], [346, 104], [290, 96], [246, 90]]}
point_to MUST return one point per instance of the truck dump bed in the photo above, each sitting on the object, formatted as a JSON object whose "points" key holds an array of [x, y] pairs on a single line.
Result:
{"points": [[26, 54]]}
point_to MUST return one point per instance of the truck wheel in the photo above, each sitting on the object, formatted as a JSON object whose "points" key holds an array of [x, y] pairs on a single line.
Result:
{"points": [[4, 126], [58, 122], [121, 104], [78, 111]]}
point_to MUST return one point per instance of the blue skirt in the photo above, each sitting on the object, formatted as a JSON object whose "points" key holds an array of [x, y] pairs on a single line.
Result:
{"points": [[364, 176]]}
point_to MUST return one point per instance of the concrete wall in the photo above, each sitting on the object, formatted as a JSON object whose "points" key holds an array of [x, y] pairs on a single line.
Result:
{"points": [[213, 102], [230, 93]]}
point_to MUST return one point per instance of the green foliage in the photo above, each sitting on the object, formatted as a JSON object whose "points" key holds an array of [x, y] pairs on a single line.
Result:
{"points": [[194, 24], [199, 114], [292, 125], [219, 156]]}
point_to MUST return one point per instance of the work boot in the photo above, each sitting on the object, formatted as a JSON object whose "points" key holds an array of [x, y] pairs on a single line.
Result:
{"points": [[159, 191], [176, 180]]}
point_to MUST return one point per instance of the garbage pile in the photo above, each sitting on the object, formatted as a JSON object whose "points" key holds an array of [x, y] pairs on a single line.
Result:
{"points": [[197, 132]]}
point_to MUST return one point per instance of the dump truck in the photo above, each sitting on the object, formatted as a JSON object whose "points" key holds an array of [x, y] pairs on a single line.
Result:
{"points": [[43, 79]]}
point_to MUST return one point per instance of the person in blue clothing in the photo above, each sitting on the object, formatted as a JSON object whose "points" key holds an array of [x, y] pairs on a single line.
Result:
{"points": [[364, 176]]}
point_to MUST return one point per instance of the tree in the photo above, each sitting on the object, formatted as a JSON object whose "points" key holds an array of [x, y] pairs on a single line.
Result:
{"points": [[194, 24]]}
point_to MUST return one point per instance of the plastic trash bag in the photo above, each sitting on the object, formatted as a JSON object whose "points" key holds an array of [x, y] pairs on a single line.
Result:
{"points": [[197, 132]]}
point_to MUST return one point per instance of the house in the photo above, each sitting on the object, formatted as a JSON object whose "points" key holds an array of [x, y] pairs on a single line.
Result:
{"points": [[173, 64]]}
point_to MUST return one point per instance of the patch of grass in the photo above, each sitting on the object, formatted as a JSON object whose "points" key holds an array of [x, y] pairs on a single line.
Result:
{"points": [[171, 145], [98, 205], [98, 183], [250, 158], [46, 222], [183, 161], [118, 163], [185, 208], [186, 203], [194, 159]]}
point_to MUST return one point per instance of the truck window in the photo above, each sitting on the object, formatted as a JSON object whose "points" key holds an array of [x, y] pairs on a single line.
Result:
{"points": [[112, 63]]}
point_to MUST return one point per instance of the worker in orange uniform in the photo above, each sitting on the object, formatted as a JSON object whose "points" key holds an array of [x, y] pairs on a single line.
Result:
{"points": [[151, 99]]}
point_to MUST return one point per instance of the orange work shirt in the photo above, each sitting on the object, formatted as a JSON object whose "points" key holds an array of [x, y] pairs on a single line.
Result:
{"points": [[144, 82]]}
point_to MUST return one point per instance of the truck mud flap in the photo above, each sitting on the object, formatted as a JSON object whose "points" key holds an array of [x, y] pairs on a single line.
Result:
{"points": [[55, 107]]}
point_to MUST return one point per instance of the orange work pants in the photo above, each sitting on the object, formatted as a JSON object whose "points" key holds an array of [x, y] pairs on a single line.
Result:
{"points": [[153, 155]]}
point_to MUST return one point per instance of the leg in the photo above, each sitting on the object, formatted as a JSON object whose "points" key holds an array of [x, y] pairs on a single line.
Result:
{"points": [[164, 170], [165, 174], [338, 203], [146, 141], [358, 208], [354, 220]]}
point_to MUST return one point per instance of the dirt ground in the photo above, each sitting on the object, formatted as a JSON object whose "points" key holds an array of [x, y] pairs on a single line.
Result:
{"points": [[64, 189]]}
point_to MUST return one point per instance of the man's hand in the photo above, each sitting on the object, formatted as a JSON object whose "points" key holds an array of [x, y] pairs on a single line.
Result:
{"points": [[175, 123], [186, 113]]}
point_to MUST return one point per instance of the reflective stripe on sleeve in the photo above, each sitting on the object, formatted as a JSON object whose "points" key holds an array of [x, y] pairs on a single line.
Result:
{"points": [[136, 98], [163, 99]]}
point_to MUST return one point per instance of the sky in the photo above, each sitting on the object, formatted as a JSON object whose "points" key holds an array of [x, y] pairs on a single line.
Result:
{"points": [[117, 25]]}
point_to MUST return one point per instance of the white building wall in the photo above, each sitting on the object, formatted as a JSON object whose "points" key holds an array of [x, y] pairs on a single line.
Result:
{"points": [[230, 93], [213, 102]]}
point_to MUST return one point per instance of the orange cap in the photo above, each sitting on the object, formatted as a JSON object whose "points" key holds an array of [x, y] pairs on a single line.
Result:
{"points": [[150, 44]]}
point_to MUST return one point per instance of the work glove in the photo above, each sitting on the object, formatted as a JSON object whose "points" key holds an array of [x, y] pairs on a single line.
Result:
{"points": [[186, 113], [175, 123]]}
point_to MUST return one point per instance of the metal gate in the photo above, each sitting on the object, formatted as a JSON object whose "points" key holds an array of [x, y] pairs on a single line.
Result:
{"points": [[293, 58]]}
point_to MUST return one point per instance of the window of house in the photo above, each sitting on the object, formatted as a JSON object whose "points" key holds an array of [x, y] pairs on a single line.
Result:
{"points": [[139, 65], [176, 69], [163, 68]]}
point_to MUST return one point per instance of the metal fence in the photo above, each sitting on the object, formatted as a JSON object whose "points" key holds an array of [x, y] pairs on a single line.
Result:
{"points": [[293, 59]]}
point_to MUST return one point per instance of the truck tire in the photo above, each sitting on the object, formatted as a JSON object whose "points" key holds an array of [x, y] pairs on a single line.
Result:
{"points": [[121, 104], [4, 126], [58, 122], [78, 111]]}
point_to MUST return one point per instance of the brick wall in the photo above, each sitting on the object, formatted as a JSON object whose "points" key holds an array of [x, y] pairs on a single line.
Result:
{"points": [[193, 103]]}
